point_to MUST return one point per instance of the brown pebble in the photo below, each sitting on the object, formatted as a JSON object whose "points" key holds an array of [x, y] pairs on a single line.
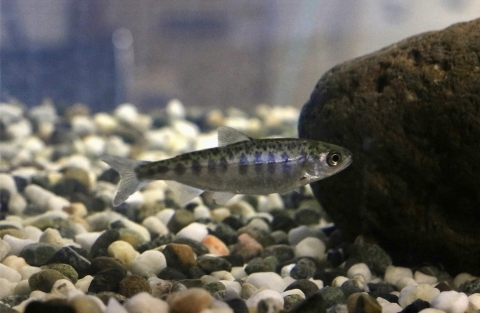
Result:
{"points": [[133, 284], [179, 256], [193, 300], [247, 247]]}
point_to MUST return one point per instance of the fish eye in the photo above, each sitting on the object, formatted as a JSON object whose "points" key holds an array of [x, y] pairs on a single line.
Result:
{"points": [[333, 158]]}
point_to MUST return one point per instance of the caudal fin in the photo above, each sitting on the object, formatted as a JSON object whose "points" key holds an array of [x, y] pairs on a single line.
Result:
{"points": [[129, 182]]}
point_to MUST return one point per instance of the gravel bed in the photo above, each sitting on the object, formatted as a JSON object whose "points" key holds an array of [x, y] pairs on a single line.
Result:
{"points": [[64, 248]]}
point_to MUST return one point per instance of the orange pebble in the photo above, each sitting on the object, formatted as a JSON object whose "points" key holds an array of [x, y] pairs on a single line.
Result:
{"points": [[215, 245]]}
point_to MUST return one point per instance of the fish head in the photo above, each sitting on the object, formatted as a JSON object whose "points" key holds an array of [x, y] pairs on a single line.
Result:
{"points": [[325, 160]]}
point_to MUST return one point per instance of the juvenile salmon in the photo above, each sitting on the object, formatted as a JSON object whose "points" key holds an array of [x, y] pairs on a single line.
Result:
{"points": [[239, 165]]}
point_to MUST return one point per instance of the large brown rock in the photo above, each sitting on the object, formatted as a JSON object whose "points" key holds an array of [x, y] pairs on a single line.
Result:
{"points": [[410, 114]]}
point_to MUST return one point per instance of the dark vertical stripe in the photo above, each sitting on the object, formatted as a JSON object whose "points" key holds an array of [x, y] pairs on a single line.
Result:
{"points": [[196, 167], [223, 164], [179, 169], [243, 164], [212, 166], [271, 166]]}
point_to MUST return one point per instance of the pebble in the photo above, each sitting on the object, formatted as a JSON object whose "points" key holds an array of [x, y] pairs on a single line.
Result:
{"points": [[149, 263], [310, 247], [14, 262], [4, 249], [411, 293], [263, 295], [44, 280], [38, 254], [106, 280], [17, 244], [306, 286], [87, 304], [145, 303], [193, 300], [422, 278], [394, 273], [113, 306], [6, 287], [268, 280], [246, 247], [155, 226], [215, 246], [61, 289], [451, 302], [123, 251], [67, 270], [179, 257], [132, 284], [359, 269], [28, 271], [211, 264], [194, 231], [70, 256]]}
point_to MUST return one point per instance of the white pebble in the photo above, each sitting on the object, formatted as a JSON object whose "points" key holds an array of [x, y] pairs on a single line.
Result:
{"points": [[338, 281], [194, 231], [16, 244], [7, 182], [6, 288], [175, 109], [287, 280], [317, 282], [86, 240], [155, 226], [149, 263], [219, 214], [137, 227], [287, 269], [405, 281], [114, 306], [201, 211], [83, 283], [4, 249], [475, 299], [293, 292], [422, 278], [238, 272], [22, 288], [451, 302], [83, 125], [391, 308], [33, 233], [462, 278], [16, 204], [15, 262], [165, 215], [52, 236], [223, 275], [269, 280], [310, 247], [94, 146], [144, 303], [10, 274], [20, 129], [359, 269], [394, 273], [123, 251], [38, 195], [297, 234], [262, 294], [101, 221], [412, 293], [60, 289], [126, 112], [186, 129], [274, 202], [105, 123], [235, 285], [28, 271], [430, 310], [114, 145]]}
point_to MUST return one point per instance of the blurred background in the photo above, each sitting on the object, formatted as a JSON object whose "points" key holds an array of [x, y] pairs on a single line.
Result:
{"points": [[211, 53]]}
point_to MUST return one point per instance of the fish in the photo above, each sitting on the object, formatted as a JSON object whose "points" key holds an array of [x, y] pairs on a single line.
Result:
{"points": [[239, 165]]}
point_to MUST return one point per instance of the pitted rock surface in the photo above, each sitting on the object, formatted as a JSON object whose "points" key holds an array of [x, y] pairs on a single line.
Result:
{"points": [[410, 114]]}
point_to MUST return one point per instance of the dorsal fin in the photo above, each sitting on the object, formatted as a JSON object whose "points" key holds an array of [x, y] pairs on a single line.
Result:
{"points": [[228, 135]]}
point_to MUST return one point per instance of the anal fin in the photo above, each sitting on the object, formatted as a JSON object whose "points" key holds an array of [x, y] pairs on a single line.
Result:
{"points": [[183, 192]]}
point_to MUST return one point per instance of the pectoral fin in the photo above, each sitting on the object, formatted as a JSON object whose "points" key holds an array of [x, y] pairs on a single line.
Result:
{"points": [[183, 192]]}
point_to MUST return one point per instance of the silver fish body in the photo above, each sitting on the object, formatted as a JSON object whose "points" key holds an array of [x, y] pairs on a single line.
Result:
{"points": [[240, 165]]}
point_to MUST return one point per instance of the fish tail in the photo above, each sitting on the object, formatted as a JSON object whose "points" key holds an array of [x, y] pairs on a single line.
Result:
{"points": [[129, 182]]}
